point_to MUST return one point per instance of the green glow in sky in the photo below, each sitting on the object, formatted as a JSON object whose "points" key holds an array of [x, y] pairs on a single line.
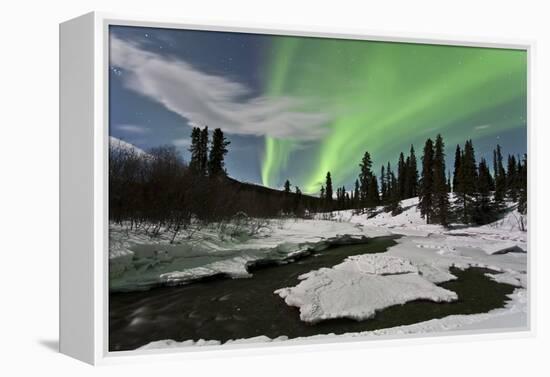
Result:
{"points": [[382, 97]]}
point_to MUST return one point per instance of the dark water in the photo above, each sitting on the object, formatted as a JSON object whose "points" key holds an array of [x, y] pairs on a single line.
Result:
{"points": [[225, 309]]}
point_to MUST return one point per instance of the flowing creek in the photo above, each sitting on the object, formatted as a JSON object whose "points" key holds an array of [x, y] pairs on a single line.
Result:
{"points": [[221, 309]]}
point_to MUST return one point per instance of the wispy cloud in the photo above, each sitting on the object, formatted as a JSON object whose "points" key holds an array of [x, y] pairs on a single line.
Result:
{"points": [[182, 143], [211, 100], [482, 127], [132, 128]]}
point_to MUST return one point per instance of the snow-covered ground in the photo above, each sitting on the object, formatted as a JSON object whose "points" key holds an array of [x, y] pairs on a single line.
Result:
{"points": [[359, 287], [424, 254], [136, 261], [356, 288]]}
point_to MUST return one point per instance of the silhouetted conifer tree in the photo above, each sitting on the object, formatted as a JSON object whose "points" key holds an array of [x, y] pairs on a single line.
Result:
{"points": [[413, 174], [500, 179], [522, 200], [401, 175], [203, 151], [357, 195], [365, 175], [466, 187], [458, 158], [218, 150], [484, 207], [373, 199], [194, 164], [383, 186], [440, 209], [328, 191], [512, 179], [426, 182], [287, 187]]}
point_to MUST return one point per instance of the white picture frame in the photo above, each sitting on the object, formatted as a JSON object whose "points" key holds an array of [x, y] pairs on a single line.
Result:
{"points": [[84, 140]]}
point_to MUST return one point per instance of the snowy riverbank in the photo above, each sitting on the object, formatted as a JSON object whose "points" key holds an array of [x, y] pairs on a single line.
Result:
{"points": [[138, 261], [356, 288]]}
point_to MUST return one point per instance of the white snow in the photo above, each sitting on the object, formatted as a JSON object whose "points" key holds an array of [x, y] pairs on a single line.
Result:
{"points": [[359, 287], [138, 262], [169, 343], [356, 288], [161, 344], [124, 145]]}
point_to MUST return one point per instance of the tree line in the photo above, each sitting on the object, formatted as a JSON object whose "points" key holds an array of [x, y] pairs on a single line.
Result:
{"points": [[479, 195], [159, 190]]}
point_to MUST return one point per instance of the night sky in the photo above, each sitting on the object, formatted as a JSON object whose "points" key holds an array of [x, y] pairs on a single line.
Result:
{"points": [[295, 108]]}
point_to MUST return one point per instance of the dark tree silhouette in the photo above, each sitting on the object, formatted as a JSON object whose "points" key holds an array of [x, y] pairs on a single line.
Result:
{"points": [[440, 211], [383, 186], [328, 191], [484, 207], [203, 151], [522, 173], [365, 175], [401, 175], [194, 164], [412, 174], [218, 150], [500, 179], [466, 188], [426, 197], [458, 159], [287, 187], [512, 179]]}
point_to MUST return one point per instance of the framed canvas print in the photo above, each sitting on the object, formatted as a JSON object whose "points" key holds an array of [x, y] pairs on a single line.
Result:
{"points": [[224, 187]]}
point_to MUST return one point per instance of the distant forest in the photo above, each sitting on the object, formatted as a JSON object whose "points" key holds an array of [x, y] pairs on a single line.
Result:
{"points": [[160, 188]]}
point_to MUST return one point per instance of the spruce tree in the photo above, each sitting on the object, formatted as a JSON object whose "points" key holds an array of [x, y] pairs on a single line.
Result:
{"points": [[500, 179], [365, 175], [287, 187], [344, 193], [407, 186], [357, 195], [389, 175], [394, 204], [383, 186], [426, 182], [522, 199], [458, 158], [218, 150], [484, 208], [401, 169], [512, 179], [328, 191], [373, 199], [466, 187], [440, 210], [203, 151], [298, 207], [413, 174], [194, 164]]}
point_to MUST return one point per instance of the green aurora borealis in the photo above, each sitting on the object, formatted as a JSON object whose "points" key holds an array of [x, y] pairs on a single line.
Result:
{"points": [[383, 97]]}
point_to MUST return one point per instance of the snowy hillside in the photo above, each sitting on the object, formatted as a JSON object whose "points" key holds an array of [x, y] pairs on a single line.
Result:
{"points": [[124, 145]]}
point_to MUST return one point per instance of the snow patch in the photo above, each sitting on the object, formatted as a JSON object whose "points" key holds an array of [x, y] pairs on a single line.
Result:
{"points": [[359, 287]]}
